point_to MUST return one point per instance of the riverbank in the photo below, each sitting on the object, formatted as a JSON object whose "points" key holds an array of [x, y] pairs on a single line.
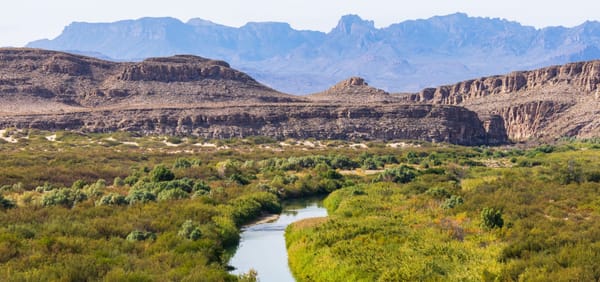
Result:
{"points": [[262, 244], [267, 218]]}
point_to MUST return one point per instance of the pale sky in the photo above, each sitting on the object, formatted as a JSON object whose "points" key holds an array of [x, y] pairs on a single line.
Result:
{"points": [[22, 21]]}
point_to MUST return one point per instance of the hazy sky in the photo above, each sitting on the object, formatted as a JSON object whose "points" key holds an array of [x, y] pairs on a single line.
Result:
{"points": [[22, 21]]}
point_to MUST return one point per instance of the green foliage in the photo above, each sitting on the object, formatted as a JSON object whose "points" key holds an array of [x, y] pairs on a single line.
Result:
{"points": [[373, 234], [239, 179], [491, 218], [343, 162], [189, 230], [112, 199], [137, 235], [401, 174], [66, 197], [453, 202], [174, 139], [330, 174], [79, 184], [247, 207], [569, 173], [438, 193], [161, 173], [118, 182], [6, 203], [140, 197], [182, 163], [172, 194], [131, 180], [44, 188], [201, 186], [418, 220]]}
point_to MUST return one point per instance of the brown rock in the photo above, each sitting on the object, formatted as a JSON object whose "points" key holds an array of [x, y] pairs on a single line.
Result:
{"points": [[193, 95], [547, 103], [353, 90]]}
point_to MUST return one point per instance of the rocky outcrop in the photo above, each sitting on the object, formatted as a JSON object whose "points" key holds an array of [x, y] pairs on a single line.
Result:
{"points": [[543, 103], [417, 122], [582, 76], [353, 90], [181, 68]]}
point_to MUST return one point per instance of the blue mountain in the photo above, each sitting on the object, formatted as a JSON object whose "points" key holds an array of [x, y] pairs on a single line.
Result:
{"points": [[402, 57]]}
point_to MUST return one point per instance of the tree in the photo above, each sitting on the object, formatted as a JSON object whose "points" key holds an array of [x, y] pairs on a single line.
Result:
{"points": [[491, 218], [161, 173]]}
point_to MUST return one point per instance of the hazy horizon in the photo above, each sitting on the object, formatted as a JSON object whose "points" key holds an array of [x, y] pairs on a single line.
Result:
{"points": [[28, 20]]}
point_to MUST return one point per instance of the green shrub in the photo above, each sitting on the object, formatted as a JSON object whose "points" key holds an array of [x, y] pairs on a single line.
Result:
{"points": [[239, 179], [172, 194], [343, 162], [402, 174], [182, 163], [371, 164], [593, 176], [131, 180], [201, 186], [491, 218], [189, 230], [112, 199], [569, 173], [184, 184], [452, 202], [227, 230], [140, 197], [66, 197], [118, 182], [528, 163], [330, 174], [137, 235], [79, 184], [45, 188], [438, 193], [174, 140], [6, 203], [161, 173]]}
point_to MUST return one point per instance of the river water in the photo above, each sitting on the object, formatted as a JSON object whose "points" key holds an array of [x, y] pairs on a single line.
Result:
{"points": [[262, 246]]}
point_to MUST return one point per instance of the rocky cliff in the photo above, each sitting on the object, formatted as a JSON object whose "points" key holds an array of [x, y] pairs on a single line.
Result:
{"points": [[193, 95], [547, 103], [433, 123]]}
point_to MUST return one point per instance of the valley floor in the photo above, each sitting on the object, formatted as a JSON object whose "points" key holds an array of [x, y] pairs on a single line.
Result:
{"points": [[123, 207]]}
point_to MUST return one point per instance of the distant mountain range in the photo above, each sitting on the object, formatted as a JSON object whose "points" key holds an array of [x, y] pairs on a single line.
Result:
{"points": [[403, 57]]}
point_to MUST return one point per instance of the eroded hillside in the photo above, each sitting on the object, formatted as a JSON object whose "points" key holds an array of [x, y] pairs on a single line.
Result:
{"points": [[194, 95]]}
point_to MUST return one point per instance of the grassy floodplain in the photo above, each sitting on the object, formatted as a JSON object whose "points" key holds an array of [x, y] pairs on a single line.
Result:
{"points": [[124, 207], [503, 215]]}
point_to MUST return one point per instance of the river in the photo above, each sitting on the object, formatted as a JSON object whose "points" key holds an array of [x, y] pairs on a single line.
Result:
{"points": [[262, 246]]}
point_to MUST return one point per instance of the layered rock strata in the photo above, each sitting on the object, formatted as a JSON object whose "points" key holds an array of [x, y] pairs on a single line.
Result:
{"points": [[545, 104]]}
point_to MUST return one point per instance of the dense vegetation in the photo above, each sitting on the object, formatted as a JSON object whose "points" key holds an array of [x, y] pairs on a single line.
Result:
{"points": [[507, 215], [120, 207]]}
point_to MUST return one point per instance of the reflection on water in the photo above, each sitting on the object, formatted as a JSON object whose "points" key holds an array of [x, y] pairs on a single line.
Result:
{"points": [[262, 246]]}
